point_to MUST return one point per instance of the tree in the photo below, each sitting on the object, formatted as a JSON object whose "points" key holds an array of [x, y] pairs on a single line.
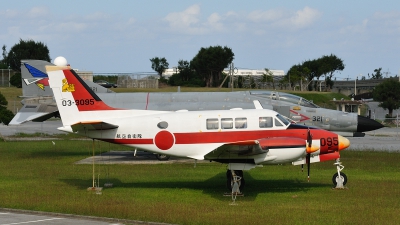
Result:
{"points": [[2, 62], [388, 94], [159, 65], [5, 114], [16, 80], [377, 74], [299, 74], [314, 69], [184, 70], [268, 76], [28, 49], [329, 65], [210, 62]]}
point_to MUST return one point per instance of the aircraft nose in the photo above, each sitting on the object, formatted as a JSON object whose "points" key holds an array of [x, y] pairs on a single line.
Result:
{"points": [[343, 143], [366, 124]]}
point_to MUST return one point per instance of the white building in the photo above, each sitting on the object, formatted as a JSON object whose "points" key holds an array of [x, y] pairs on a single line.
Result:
{"points": [[237, 72]]}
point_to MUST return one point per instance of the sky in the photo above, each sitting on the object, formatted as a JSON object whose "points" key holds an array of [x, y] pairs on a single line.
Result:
{"points": [[123, 35]]}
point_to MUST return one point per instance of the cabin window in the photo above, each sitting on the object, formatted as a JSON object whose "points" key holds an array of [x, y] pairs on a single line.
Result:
{"points": [[265, 122], [226, 123], [278, 123], [162, 125], [241, 123], [212, 124]]}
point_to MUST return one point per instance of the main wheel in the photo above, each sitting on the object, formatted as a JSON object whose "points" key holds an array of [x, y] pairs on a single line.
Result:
{"points": [[336, 178], [229, 179], [162, 157]]}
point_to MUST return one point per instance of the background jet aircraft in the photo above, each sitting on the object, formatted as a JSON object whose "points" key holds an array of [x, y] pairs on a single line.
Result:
{"points": [[41, 106]]}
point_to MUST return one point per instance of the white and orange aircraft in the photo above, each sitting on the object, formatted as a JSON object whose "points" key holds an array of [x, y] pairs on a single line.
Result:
{"points": [[243, 139]]}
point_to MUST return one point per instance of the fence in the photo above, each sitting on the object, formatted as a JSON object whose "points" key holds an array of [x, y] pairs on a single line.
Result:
{"points": [[5, 75], [137, 81]]}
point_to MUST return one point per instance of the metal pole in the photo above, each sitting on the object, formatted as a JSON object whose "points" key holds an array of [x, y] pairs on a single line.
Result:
{"points": [[231, 70]]}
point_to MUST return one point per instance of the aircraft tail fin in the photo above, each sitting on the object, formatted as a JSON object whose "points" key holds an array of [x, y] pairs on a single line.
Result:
{"points": [[73, 96]]}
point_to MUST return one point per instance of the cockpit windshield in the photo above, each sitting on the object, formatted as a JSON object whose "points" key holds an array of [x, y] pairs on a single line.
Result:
{"points": [[282, 119], [285, 97]]}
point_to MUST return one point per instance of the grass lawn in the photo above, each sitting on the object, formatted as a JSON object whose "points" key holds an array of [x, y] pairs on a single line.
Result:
{"points": [[38, 175]]}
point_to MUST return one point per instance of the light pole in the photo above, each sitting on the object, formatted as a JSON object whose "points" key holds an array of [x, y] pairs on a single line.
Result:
{"points": [[355, 84], [9, 77], [320, 85]]}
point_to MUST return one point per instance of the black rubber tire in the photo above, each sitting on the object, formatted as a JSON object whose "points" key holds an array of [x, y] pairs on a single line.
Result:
{"points": [[162, 157], [229, 182], [336, 176]]}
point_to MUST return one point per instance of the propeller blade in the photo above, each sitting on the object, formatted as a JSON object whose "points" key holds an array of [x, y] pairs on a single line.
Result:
{"points": [[308, 167], [309, 142]]}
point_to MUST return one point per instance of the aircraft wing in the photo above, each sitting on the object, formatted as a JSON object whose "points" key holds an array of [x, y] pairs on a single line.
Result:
{"points": [[253, 147], [258, 149], [240, 149], [92, 125], [34, 112]]}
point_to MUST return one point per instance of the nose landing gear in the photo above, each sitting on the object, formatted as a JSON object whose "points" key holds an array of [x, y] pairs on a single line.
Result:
{"points": [[339, 179]]}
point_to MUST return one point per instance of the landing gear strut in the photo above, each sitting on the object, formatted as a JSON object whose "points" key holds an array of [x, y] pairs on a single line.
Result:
{"points": [[339, 179], [235, 181]]}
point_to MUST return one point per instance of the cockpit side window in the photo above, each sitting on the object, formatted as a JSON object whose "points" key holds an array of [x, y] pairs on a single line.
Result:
{"points": [[265, 122], [278, 123], [282, 119]]}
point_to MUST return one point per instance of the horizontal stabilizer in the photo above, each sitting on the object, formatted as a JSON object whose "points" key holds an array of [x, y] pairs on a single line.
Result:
{"points": [[257, 104], [35, 113], [93, 125]]}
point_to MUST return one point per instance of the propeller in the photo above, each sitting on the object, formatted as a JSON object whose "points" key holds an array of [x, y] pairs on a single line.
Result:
{"points": [[309, 144]]}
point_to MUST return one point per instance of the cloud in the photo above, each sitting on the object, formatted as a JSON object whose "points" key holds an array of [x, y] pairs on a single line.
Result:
{"points": [[98, 16], [185, 19], [355, 29], [259, 16], [214, 21], [305, 17], [37, 12], [285, 19]]}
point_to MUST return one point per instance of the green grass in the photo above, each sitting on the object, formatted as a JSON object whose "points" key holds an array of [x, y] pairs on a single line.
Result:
{"points": [[44, 135], [11, 94], [44, 177]]}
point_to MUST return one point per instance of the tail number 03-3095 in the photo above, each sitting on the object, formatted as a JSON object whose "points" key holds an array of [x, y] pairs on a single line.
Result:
{"points": [[78, 102], [330, 141]]}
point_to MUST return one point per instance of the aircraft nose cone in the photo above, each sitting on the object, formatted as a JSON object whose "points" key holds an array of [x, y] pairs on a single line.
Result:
{"points": [[366, 124], [343, 143]]}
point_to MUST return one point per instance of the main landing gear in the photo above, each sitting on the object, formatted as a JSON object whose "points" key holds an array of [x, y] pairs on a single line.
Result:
{"points": [[235, 181], [339, 179]]}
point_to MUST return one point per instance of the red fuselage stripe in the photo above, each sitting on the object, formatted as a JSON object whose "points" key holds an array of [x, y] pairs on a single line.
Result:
{"points": [[236, 136]]}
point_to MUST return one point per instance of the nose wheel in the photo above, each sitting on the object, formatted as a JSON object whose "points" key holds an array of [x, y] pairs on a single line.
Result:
{"points": [[339, 179]]}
